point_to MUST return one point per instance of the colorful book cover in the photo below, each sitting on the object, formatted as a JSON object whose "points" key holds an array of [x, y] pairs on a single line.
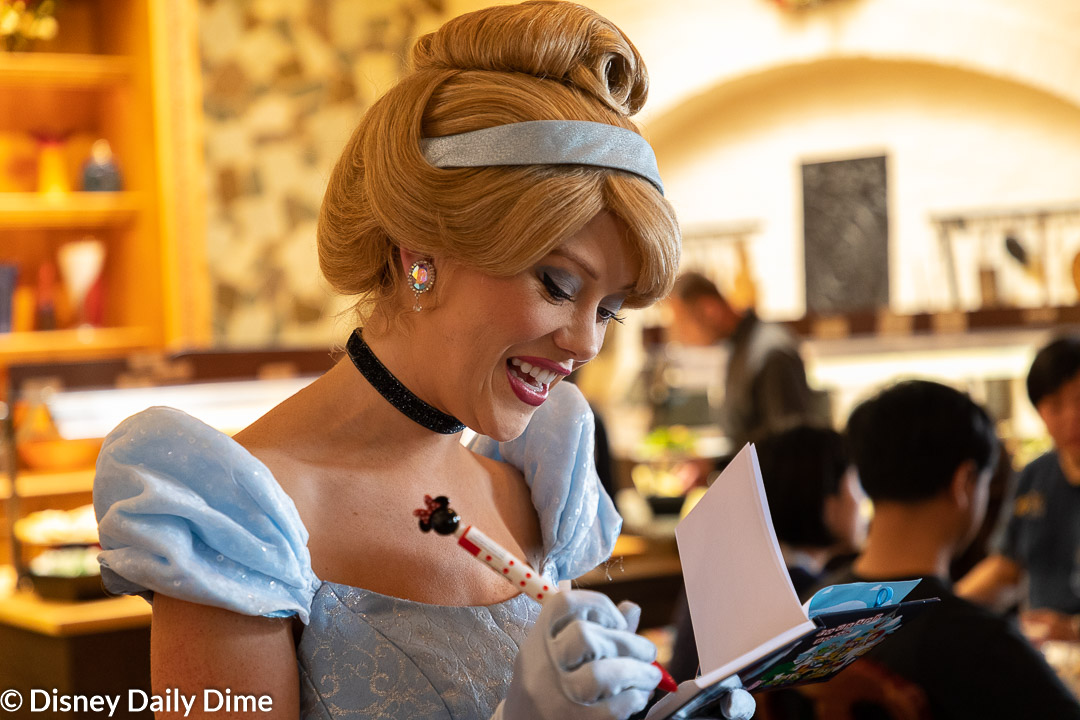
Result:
{"points": [[839, 639]]}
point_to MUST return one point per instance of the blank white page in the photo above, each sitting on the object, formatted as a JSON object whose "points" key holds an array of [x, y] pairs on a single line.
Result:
{"points": [[742, 602]]}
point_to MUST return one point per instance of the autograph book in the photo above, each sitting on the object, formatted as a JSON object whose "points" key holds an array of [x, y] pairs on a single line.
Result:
{"points": [[747, 618]]}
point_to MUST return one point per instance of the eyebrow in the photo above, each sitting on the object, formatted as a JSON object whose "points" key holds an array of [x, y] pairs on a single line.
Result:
{"points": [[580, 262], [586, 267]]}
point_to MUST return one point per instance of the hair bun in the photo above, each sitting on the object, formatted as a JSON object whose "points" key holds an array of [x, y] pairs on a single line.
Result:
{"points": [[548, 39]]}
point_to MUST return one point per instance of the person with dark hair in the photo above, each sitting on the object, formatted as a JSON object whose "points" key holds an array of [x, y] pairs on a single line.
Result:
{"points": [[1041, 539], [814, 499], [925, 453], [765, 387]]}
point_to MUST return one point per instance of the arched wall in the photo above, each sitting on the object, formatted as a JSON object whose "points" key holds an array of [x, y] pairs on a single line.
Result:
{"points": [[692, 45], [954, 140]]}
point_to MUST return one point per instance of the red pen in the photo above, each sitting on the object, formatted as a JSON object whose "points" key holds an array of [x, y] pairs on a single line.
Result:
{"points": [[438, 516]]}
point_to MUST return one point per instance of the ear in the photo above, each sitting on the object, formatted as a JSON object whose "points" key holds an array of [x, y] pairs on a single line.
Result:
{"points": [[1043, 410], [830, 510], [964, 484], [408, 257]]}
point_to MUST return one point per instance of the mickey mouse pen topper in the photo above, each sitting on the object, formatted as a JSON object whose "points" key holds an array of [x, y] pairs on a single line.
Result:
{"points": [[437, 515]]}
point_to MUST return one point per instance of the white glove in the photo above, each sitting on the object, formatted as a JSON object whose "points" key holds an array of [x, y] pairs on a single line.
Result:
{"points": [[581, 660], [736, 704]]}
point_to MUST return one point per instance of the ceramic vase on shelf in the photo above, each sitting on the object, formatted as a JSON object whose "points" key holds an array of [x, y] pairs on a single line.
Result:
{"points": [[100, 172], [81, 264], [45, 297], [9, 274], [52, 166], [23, 305]]}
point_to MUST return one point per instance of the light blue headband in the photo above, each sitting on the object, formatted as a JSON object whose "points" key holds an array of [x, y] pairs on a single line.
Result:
{"points": [[547, 142]]}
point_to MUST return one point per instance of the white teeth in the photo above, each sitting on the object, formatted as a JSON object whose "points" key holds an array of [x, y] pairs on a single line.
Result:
{"points": [[541, 375]]}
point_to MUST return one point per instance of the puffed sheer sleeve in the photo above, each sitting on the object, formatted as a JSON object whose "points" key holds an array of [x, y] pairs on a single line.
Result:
{"points": [[184, 510], [556, 454]]}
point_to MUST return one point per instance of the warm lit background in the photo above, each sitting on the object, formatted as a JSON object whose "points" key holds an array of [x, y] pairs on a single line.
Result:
{"points": [[925, 133]]}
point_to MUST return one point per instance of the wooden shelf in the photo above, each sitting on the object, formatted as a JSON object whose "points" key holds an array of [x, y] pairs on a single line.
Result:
{"points": [[957, 323], [60, 618], [133, 79], [36, 484], [70, 345], [64, 70], [77, 209]]}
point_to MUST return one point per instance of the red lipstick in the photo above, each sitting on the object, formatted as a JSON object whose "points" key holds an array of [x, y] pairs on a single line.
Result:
{"points": [[526, 392]]}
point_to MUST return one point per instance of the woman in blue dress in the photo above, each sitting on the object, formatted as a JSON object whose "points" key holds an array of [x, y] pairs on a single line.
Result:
{"points": [[495, 211]]}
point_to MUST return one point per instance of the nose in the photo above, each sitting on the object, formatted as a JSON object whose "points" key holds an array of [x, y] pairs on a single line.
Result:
{"points": [[581, 337]]}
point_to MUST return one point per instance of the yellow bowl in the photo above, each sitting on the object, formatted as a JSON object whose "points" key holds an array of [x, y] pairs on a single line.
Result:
{"points": [[58, 455]]}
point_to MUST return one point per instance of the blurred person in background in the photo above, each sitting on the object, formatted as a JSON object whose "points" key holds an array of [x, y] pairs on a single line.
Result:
{"points": [[815, 500], [1041, 540], [1002, 486], [925, 453], [765, 387]]}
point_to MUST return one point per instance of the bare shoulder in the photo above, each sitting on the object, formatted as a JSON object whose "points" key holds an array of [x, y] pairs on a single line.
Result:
{"points": [[276, 439], [293, 421], [267, 432]]}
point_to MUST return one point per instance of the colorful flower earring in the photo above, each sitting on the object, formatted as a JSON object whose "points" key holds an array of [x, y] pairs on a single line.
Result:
{"points": [[421, 279]]}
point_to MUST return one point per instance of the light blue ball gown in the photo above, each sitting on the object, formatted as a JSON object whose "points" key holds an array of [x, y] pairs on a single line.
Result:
{"points": [[186, 511]]}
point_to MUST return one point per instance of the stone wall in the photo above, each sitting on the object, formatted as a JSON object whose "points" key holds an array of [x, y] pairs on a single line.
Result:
{"points": [[285, 82]]}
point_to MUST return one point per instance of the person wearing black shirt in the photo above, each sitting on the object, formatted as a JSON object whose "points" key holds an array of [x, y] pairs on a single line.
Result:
{"points": [[925, 453]]}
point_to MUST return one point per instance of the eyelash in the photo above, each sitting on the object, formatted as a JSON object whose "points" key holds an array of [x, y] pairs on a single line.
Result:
{"points": [[558, 294]]}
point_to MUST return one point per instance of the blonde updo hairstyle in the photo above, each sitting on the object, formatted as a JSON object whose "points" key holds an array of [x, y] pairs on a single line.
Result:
{"points": [[513, 63]]}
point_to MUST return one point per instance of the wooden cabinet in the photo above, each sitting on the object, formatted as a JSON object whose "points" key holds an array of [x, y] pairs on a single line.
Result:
{"points": [[126, 71]]}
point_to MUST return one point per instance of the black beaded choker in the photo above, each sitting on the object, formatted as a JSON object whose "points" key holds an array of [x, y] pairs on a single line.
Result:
{"points": [[395, 393]]}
